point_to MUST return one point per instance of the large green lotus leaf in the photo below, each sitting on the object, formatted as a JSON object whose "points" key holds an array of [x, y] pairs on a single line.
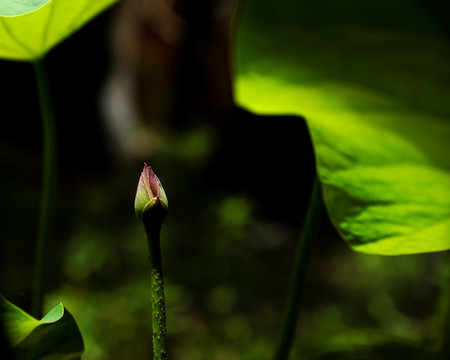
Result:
{"points": [[55, 336], [372, 80], [30, 36], [19, 7]]}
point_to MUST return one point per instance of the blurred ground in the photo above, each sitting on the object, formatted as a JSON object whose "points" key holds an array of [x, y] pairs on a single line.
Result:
{"points": [[150, 83]]}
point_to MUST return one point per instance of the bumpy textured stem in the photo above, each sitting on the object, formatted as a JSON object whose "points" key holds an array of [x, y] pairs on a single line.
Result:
{"points": [[309, 232], [158, 300], [49, 179]]}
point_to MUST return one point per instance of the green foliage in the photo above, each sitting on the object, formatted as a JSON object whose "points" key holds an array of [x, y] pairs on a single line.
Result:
{"points": [[55, 336], [16, 8], [32, 34], [371, 84]]}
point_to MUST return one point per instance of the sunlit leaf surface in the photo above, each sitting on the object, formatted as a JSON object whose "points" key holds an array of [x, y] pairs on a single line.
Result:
{"points": [[373, 82], [32, 35], [55, 336], [19, 7]]}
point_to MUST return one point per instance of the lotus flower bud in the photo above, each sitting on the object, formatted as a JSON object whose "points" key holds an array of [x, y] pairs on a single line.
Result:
{"points": [[151, 203]]}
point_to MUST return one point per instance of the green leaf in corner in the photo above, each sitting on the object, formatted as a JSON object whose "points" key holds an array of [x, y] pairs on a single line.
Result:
{"points": [[16, 7], [373, 84], [55, 336], [31, 35]]}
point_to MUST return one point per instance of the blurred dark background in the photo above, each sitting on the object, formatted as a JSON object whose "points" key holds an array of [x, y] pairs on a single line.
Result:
{"points": [[150, 82]]}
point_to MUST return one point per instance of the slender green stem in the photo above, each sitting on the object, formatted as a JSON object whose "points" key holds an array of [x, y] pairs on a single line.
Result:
{"points": [[49, 179], [308, 233], [158, 300]]}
